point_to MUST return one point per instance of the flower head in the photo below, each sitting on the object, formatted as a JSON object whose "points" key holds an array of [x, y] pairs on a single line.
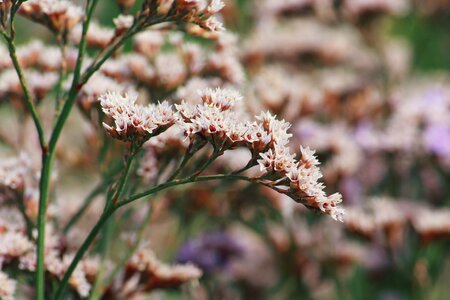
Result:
{"points": [[58, 15], [7, 287], [156, 274], [210, 252], [134, 122]]}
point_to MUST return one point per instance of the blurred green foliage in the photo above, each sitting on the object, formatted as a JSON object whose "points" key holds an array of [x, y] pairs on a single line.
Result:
{"points": [[429, 39]]}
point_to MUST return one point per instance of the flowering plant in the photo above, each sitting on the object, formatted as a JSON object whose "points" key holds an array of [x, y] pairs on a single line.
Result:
{"points": [[166, 143]]}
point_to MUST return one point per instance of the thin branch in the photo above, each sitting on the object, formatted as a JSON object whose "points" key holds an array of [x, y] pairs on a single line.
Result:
{"points": [[130, 252], [28, 100], [48, 156], [75, 87], [190, 152], [87, 202], [62, 43], [124, 176], [82, 250], [111, 209], [211, 159], [191, 179]]}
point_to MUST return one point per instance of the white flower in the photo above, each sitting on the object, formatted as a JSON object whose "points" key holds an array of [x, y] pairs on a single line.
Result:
{"points": [[60, 15], [7, 285], [215, 6], [145, 261], [123, 22], [148, 42], [14, 244], [135, 122], [213, 25], [222, 99], [266, 163], [97, 36], [308, 156]]}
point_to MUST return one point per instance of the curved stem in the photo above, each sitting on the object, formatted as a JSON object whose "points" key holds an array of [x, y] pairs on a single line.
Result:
{"points": [[75, 87], [48, 156], [109, 211], [44, 183], [169, 184], [210, 160], [82, 250], [129, 253], [190, 152], [94, 193], [187, 156], [28, 100], [124, 177], [62, 73], [104, 243]]}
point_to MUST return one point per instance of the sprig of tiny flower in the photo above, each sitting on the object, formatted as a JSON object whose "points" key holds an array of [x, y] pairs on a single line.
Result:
{"points": [[197, 15], [59, 16], [134, 122], [216, 121]]}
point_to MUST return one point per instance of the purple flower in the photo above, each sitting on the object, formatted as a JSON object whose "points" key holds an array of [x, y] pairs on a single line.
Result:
{"points": [[351, 189], [210, 252], [437, 139]]}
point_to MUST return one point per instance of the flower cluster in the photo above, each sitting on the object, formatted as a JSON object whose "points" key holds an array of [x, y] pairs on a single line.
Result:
{"points": [[353, 10], [392, 217], [7, 287], [39, 84], [216, 120], [134, 122], [146, 272], [299, 179], [198, 13], [327, 75], [98, 36], [56, 264], [60, 16], [13, 173]]}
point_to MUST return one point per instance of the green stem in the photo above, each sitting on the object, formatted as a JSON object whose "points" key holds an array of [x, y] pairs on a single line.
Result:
{"points": [[87, 202], [28, 222], [210, 160], [191, 179], [28, 101], [48, 156], [190, 152], [107, 235], [109, 211], [187, 156], [103, 251], [76, 86], [47, 159], [124, 177], [108, 52], [62, 73], [44, 183], [97, 63], [129, 253], [82, 250]]}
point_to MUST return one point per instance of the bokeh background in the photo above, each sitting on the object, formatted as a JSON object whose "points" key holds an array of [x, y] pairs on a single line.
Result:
{"points": [[364, 83]]}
